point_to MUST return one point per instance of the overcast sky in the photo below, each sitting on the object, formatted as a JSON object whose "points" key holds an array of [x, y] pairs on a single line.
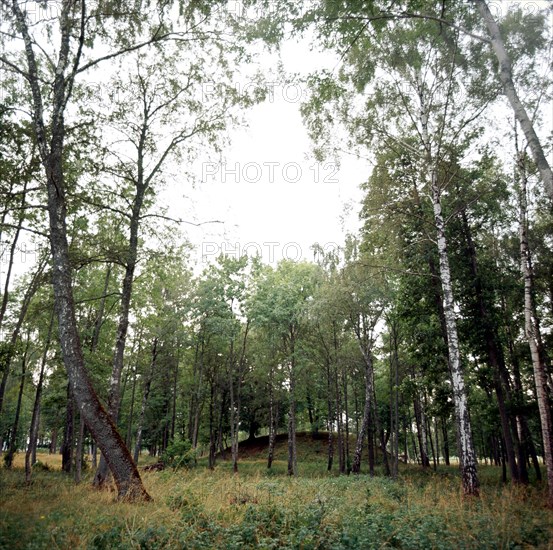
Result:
{"points": [[270, 195]]}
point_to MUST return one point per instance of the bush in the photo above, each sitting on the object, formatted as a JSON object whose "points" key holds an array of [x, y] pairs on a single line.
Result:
{"points": [[41, 466], [179, 454]]}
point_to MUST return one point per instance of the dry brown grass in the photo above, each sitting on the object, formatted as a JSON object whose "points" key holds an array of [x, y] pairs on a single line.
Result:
{"points": [[208, 508]]}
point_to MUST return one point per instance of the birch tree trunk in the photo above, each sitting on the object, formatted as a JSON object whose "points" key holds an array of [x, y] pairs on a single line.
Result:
{"points": [[533, 335], [114, 396], [273, 420], [506, 77], [50, 139], [467, 455], [356, 466], [292, 450]]}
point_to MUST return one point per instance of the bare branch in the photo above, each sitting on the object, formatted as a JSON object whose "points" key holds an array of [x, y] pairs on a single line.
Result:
{"points": [[35, 231], [175, 220]]}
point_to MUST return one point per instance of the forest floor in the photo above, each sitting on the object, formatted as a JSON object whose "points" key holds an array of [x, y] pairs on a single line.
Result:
{"points": [[258, 508]]}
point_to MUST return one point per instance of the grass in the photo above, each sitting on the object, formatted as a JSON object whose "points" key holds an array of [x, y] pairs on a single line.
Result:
{"points": [[260, 509]]}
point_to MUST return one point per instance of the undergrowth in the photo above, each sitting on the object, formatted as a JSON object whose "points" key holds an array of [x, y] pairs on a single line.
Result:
{"points": [[199, 508]]}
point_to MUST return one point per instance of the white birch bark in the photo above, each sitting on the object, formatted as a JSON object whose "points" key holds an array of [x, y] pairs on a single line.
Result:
{"points": [[532, 332], [467, 455], [506, 77]]}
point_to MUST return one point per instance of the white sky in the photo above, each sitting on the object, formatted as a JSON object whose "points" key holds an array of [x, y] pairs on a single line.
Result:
{"points": [[268, 191], [280, 202]]}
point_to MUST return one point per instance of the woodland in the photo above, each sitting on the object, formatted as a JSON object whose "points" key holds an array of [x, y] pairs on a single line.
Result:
{"points": [[396, 391]]}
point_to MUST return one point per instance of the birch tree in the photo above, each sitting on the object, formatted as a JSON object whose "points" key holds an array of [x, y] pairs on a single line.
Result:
{"points": [[507, 82], [280, 303], [417, 89], [532, 326], [159, 113], [76, 28]]}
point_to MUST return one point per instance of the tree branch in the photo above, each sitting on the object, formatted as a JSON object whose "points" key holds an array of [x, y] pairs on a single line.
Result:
{"points": [[175, 220]]}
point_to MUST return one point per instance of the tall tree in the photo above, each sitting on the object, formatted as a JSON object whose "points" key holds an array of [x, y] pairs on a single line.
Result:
{"points": [[532, 328], [48, 120], [280, 300], [156, 111], [506, 77]]}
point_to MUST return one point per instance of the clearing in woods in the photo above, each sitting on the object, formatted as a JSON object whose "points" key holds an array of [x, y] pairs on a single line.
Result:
{"points": [[260, 508]]}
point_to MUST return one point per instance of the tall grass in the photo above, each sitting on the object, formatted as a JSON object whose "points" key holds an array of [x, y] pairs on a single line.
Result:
{"points": [[199, 508]]}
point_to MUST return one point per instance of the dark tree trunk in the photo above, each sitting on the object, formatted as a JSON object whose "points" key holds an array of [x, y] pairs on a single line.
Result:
{"points": [[273, 419], [310, 411], [394, 401], [67, 445], [145, 395], [292, 450], [292, 458], [114, 396], [235, 396], [532, 451], [495, 354], [220, 441], [526, 448], [54, 442], [50, 141], [12, 445], [94, 452], [79, 451], [198, 401], [29, 293], [193, 391], [174, 396], [446, 442], [437, 435], [100, 425], [30, 455], [503, 461], [212, 442], [421, 430]]}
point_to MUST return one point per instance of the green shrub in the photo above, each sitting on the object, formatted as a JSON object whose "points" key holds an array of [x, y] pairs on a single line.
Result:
{"points": [[41, 466], [179, 454]]}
